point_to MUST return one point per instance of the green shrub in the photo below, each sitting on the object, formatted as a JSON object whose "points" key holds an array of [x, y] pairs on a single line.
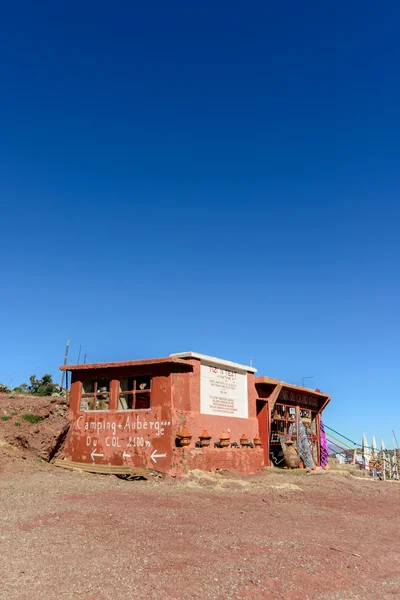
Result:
{"points": [[22, 389], [5, 418], [17, 424], [44, 386], [31, 418]]}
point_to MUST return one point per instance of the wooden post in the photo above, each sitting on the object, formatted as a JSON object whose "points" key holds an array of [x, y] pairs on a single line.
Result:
{"points": [[65, 362]]}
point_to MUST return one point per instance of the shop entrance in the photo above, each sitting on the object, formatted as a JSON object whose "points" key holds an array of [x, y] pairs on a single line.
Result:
{"points": [[288, 423], [287, 411]]}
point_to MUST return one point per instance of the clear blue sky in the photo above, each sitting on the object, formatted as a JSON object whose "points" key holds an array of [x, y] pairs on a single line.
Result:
{"points": [[220, 177]]}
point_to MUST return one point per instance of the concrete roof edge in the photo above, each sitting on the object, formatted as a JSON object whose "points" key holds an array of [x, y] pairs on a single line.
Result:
{"points": [[213, 360], [266, 379]]}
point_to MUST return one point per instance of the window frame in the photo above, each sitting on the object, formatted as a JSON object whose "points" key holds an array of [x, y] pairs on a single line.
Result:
{"points": [[133, 393], [95, 393], [114, 392]]}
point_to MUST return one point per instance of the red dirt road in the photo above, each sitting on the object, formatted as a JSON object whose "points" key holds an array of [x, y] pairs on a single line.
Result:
{"points": [[73, 535]]}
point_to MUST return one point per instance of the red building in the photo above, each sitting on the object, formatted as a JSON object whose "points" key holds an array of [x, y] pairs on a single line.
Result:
{"points": [[186, 411]]}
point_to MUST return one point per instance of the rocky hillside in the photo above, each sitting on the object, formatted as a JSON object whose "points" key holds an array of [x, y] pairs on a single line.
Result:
{"points": [[31, 428]]}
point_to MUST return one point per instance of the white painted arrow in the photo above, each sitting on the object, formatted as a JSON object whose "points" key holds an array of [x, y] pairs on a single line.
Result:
{"points": [[154, 456], [94, 453], [126, 455]]}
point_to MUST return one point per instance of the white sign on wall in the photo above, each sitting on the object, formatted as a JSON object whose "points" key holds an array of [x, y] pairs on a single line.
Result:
{"points": [[223, 392]]}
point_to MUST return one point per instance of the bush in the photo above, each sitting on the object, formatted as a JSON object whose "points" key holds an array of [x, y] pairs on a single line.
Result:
{"points": [[4, 389], [42, 387], [5, 418], [17, 424], [22, 389], [31, 418]]}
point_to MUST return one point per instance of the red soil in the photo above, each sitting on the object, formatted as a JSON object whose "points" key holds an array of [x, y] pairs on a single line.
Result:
{"points": [[74, 535]]}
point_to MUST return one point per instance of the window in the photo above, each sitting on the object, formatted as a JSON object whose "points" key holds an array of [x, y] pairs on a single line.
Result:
{"points": [[95, 394], [134, 393], [286, 413]]}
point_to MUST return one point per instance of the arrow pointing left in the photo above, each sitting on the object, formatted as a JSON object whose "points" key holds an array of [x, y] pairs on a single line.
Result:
{"points": [[94, 453], [154, 456]]}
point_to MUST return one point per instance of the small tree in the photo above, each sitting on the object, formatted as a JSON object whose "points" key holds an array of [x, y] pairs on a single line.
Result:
{"points": [[22, 389], [42, 387]]}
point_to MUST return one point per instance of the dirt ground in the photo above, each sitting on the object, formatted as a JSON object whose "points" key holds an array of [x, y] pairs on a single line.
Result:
{"points": [[209, 536], [291, 535]]}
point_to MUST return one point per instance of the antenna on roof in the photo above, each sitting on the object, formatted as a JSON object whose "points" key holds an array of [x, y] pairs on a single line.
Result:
{"points": [[251, 361], [79, 353]]}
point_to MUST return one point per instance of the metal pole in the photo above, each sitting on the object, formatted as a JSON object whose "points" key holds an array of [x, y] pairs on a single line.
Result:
{"points": [[79, 354], [65, 362]]}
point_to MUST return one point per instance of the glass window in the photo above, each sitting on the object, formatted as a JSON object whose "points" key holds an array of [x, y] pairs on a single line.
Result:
{"points": [[134, 393], [95, 394]]}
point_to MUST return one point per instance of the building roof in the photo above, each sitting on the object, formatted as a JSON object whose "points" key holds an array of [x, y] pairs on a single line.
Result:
{"points": [[213, 360], [126, 363], [323, 398], [299, 388]]}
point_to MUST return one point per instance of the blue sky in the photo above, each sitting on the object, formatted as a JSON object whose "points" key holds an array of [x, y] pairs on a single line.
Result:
{"points": [[222, 178]]}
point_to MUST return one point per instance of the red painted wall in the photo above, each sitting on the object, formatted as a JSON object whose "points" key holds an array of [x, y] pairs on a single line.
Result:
{"points": [[147, 438], [188, 412], [122, 437]]}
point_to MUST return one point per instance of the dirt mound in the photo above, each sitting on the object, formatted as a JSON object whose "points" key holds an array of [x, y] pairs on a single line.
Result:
{"points": [[31, 427]]}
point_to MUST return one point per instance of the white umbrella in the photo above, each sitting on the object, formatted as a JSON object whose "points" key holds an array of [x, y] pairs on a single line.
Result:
{"points": [[373, 446], [394, 465], [383, 446], [366, 452]]}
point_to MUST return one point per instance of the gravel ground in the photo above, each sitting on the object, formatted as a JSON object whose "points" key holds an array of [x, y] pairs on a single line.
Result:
{"points": [[75, 535]]}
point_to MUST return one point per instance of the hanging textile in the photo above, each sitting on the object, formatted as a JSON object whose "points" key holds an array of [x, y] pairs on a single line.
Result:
{"points": [[324, 446], [304, 447]]}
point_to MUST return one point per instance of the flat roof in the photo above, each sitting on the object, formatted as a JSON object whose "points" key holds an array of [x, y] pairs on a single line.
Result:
{"points": [[213, 360], [124, 363], [299, 388], [324, 398]]}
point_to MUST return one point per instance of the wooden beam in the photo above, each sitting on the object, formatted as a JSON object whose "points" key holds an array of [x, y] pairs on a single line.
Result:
{"points": [[103, 469]]}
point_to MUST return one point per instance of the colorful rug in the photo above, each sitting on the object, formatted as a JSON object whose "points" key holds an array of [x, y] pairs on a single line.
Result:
{"points": [[304, 447], [324, 446]]}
